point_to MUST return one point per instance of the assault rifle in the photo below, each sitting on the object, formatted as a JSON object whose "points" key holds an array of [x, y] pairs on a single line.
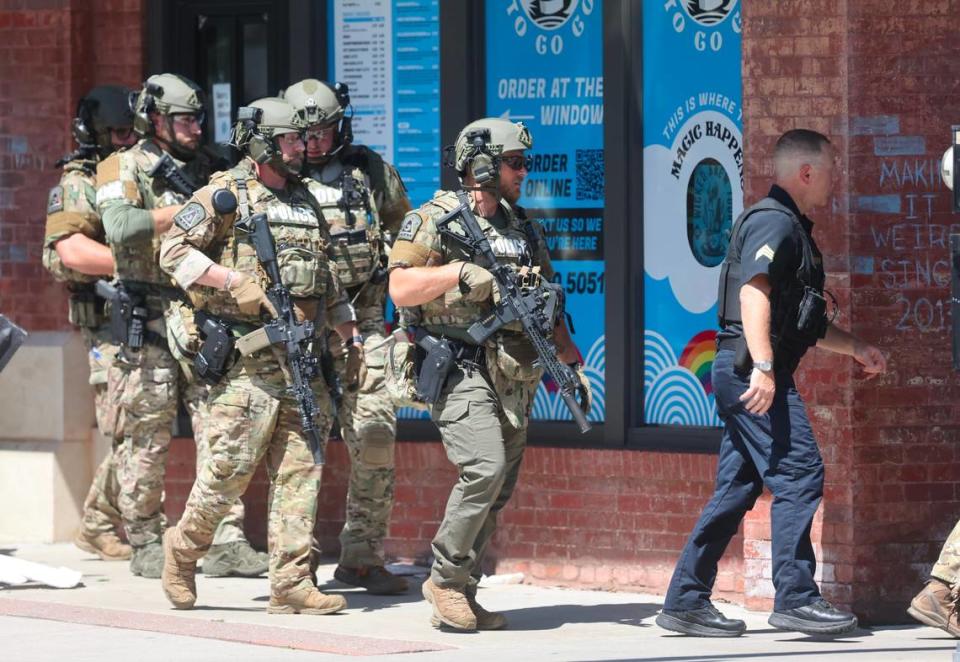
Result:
{"points": [[533, 308], [287, 331], [167, 171]]}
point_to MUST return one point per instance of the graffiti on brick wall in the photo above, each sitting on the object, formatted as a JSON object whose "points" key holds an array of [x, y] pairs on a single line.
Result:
{"points": [[911, 243]]}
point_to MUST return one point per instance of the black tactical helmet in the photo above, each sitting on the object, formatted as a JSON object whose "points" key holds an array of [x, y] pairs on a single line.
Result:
{"points": [[103, 108]]}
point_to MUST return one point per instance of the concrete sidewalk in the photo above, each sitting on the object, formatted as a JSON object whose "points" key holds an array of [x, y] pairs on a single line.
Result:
{"points": [[118, 616]]}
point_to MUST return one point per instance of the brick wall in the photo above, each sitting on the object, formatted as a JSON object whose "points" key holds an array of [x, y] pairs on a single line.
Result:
{"points": [[880, 79], [51, 52]]}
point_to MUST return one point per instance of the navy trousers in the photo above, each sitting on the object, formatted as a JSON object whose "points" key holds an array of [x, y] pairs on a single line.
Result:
{"points": [[776, 450]]}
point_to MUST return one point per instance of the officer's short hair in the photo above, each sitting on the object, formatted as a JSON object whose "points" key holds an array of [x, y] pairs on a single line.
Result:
{"points": [[796, 145]]}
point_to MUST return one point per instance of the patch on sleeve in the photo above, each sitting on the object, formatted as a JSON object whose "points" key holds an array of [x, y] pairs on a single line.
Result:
{"points": [[55, 200], [411, 223], [765, 251], [188, 217]]}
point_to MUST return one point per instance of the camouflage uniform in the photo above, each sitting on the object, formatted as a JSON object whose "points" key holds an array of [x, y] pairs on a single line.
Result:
{"points": [[72, 209], [251, 414], [149, 380], [482, 412], [947, 567], [361, 227]]}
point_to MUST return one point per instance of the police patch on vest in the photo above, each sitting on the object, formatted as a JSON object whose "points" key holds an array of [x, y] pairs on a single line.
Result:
{"points": [[411, 223], [55, 200], [766, 252], [188, 217]]}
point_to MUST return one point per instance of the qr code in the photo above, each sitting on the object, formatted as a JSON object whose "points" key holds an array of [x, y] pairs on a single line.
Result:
{"points": [[589, 174]]}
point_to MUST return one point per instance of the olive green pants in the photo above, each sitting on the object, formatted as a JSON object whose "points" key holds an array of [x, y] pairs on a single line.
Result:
{"points": [[947, 566], [487, 451]]}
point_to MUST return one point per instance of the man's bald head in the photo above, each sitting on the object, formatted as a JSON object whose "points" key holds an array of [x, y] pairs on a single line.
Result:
{"points": [[798, 147]]}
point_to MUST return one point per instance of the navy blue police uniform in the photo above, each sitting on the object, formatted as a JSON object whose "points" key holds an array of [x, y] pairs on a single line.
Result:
{"points": [[776, 449]]}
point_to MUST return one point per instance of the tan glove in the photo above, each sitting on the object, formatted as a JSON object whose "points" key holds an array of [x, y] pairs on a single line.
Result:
{"points": [[355, 372], [476, 283], [249, 296], [585, 392]]}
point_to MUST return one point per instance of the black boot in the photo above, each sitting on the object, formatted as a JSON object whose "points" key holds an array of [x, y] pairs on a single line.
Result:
{"points": [[819, 617], [704, 622]]}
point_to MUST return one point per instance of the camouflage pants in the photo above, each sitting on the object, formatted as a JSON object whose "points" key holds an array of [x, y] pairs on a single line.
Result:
{"points": [[101, 512], [195, 400], [148, 383], [368, 425], [947, 566], [251, 416], [487, 451]]}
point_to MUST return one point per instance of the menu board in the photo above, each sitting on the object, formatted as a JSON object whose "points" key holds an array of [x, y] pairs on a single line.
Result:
{"points": [[388, 53]]}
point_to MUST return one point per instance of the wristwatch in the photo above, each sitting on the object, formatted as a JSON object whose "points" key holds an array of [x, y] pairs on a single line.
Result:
{"points": [[763, 366]]}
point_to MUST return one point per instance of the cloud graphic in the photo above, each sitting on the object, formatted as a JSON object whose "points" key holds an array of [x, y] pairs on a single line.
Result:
{"points": [[677, 398], [667, 251]]}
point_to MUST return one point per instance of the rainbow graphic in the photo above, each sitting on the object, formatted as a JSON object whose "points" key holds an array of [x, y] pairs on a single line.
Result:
{"points": [[673, 393], [698, 355]]}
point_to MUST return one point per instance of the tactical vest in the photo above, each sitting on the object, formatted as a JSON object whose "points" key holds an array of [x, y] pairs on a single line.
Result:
{"points": [[785, 297], [71, 208], [297, 230], [349, 208], [139, 260], [511, 246]]}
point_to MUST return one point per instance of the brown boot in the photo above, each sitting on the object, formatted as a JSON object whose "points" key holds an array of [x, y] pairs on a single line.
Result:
{"points": [[486, 620], [936, 606], [450, 607], [306, 601], [178, 576], [105, 545]]}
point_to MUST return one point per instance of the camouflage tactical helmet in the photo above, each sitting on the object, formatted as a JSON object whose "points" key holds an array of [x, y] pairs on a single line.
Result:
{"points": [[103, 108], [316, 101], [498, 135], [259, 124], [326, 105], [166, 94]]}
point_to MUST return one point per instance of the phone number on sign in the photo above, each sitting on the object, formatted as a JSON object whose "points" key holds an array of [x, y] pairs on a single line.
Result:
{"points": [[580, 282]]}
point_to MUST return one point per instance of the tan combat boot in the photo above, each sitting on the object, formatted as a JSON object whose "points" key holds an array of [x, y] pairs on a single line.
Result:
{"points": [[450, 607], [178, 576], [486, 620], [105, 545], [306, 601], [936, 606]]}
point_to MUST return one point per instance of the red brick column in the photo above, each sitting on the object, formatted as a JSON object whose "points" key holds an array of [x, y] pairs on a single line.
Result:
{"points": [[50, 54], [879, 79]]}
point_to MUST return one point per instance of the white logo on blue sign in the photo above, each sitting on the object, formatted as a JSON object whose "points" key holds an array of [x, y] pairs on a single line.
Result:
{"points": [[707, 15], [549, 18]]}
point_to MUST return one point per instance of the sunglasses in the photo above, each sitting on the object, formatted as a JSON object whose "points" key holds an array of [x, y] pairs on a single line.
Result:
{"points": [[319, 134], [188, 119], [515, 162]]}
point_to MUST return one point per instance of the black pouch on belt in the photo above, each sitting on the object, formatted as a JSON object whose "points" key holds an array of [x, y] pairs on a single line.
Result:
{"points": [[812, 315], [212, 361], [437, 364]]}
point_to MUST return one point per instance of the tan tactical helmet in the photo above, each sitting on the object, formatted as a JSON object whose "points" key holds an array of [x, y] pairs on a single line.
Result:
{"points": [[259, 124], [166, 94], [499, 136], [316, 101]]}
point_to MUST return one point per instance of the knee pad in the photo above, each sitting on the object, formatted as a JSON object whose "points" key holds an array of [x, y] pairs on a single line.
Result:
{"points": [[376, 445]]}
